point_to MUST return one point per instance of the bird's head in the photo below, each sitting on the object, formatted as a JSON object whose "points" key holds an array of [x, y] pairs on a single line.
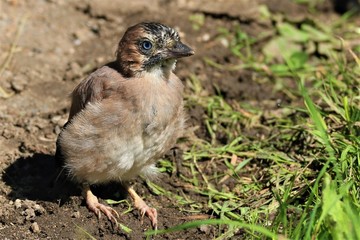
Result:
{"points": [[150, 47]]}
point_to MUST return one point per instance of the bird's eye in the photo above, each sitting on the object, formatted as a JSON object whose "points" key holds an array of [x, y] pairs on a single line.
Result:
{"points": [[146, 45]]}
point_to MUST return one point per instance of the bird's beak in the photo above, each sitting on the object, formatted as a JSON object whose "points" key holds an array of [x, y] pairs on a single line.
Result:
{"points": [[179, 50]]}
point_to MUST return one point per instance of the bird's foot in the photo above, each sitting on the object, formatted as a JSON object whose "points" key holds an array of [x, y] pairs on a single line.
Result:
{"points": [[93, 205], [144, 209]]}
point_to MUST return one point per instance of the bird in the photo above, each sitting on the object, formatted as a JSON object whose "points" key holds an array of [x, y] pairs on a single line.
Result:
{"points": [[125, 115]]}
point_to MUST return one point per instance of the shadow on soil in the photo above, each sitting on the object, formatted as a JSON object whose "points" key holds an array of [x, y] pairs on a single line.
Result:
{"points": [[34, 177]]}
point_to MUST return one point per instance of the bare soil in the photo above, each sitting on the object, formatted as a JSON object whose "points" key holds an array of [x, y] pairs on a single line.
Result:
{"points": [[60, 43]]}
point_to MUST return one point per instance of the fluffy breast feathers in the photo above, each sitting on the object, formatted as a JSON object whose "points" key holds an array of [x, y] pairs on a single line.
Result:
{"points": [[118, 127]]}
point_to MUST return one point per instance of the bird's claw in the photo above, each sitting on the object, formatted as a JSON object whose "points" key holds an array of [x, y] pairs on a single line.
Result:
{"points": [[151, 213], [109, 212]]}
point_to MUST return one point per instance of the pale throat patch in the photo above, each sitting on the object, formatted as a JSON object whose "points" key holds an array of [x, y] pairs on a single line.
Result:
{"points": [[162, 70]]}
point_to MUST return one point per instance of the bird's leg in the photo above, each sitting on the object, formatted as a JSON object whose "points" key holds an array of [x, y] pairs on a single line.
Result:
{"points": [[93, 205], [143, 207]]}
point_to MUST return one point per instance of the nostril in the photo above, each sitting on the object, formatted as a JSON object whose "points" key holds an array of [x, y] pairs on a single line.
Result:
{"points": [[178, 46]]}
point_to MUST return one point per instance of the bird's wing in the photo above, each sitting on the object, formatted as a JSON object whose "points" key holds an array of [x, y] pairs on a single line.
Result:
{"points": [[99, 85]]}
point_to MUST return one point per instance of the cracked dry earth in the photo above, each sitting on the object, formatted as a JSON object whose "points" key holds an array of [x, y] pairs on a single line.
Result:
{"points": [[53, 44]]}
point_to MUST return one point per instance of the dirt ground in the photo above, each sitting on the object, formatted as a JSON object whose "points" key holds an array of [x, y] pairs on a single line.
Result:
{"points": [[59, 43]]}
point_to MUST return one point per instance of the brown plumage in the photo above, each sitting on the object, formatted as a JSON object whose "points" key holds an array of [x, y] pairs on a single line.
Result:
{"points": [[126, 115]]}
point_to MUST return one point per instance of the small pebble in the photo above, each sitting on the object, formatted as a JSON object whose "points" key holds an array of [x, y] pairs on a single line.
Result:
{"points": [[17, 203], [77, 42], [204, 228], [19, 83], [205, 37], [29, 214], [76, 214], [100, 59], [39, 209], [35, 227], [224, 42], [55, 119]]}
